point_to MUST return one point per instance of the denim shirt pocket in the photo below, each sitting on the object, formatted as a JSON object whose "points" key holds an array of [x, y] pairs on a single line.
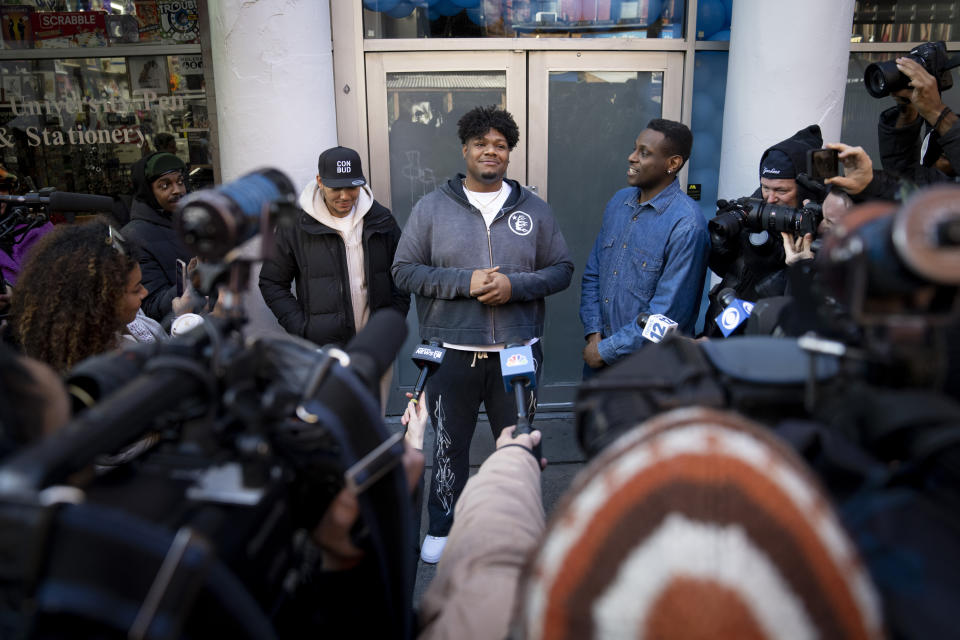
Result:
{"points": [[646, 273]]}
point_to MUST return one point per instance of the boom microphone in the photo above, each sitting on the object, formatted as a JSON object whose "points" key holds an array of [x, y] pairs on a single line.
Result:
{"points": [[66, 201]]}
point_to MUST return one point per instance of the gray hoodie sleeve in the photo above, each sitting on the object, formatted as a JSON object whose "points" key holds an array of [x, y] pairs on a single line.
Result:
{"points": [[554, 267], [412, 270]]}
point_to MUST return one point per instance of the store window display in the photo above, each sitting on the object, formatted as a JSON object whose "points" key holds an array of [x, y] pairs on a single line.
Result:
{"points": [[79, 122]]}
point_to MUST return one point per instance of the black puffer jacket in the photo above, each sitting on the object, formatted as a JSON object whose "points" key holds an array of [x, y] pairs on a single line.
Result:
{"points": [[156, 245], [314, 255]]}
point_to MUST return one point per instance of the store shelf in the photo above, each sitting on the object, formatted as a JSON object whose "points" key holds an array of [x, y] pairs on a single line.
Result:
{"points": [[100, 52]]}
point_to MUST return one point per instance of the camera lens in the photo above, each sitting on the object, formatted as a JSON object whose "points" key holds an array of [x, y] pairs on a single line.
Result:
{"points": [[214, 221], [724, 226], [881, 78]]}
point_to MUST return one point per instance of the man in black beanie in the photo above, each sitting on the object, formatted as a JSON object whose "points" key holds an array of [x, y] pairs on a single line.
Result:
{"points": [[752, 263], [159, 181]]}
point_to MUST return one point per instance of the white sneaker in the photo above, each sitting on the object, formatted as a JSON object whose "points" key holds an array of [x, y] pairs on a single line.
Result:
{"points": [[432, 549]]}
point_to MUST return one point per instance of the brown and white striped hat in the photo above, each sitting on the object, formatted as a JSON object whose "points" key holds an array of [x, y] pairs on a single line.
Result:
{"points": [[697, 524]]}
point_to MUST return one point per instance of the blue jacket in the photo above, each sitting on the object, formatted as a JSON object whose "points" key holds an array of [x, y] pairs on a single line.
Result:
{"points": [[648, 257], [446, 239]]}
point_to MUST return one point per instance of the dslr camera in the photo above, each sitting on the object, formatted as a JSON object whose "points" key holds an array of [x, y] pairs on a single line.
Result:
{"points": [[883, 78], [757, 215]]}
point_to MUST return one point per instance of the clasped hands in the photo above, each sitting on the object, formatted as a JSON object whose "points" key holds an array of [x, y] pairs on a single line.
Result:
{"points": [[489, 286]]}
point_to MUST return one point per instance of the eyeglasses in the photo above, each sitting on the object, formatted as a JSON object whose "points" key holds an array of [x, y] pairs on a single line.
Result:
{"points": [[115, 240]]}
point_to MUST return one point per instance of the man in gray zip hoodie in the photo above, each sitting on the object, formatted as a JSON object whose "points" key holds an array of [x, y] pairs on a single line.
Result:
{"points": [[480, 253]]}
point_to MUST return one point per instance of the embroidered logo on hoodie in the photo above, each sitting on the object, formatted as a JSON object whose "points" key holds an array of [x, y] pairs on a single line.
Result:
{"points": [[520, 223]]}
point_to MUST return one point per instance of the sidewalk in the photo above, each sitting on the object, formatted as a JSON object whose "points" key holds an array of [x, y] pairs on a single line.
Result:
{"points": [[559, 447]]}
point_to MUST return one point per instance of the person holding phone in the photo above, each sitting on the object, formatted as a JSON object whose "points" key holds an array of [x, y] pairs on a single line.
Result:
{"points": [[159, 181]]}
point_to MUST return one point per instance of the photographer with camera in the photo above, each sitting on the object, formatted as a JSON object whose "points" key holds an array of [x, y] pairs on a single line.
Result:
{"points": [[916, 81], [747, 250]]}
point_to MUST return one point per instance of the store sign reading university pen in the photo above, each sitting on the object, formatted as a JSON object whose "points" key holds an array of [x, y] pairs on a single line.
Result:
{"points": [[55, 136]]}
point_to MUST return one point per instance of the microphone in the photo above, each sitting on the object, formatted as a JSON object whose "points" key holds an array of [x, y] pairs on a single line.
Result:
{"points": [[735, 313], [428, 358], [66, 201], [518, 370], [656, 326], [373, 349]]}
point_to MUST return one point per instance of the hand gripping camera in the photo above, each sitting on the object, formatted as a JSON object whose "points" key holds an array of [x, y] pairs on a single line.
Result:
{"points": [[883, 78]]}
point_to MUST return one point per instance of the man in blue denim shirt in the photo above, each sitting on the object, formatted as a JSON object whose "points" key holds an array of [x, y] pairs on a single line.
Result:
{"points": [[651, 252]]}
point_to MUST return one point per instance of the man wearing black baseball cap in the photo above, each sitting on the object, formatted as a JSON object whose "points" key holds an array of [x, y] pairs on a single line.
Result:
{"points": [[339, 253]]}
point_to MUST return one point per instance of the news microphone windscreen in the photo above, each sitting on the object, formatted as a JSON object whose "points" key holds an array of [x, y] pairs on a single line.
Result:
{"points": [[373, 349], [517, 364], [66, 201]]}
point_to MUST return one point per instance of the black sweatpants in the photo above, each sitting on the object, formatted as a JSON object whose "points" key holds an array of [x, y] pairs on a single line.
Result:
{"points": [[454, 392]]}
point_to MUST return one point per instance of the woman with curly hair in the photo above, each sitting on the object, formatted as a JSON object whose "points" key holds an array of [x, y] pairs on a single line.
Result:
{"points": [[77, 291]]}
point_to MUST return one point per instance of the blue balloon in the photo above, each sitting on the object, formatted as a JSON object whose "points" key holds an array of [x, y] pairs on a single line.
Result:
{"points": [[710, 17], [728, 6], [380, 5], [706, 149], [476, 16], [721, 36], [444, 8], [402, 10], [466, 4], [707, 178], [653, 10], [704, 107]]}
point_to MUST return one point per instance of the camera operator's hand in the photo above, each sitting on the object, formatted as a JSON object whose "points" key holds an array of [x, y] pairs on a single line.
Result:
{"points": [[414, 418], [857, 168], [526, 440], [591, 352], [796, 249], [924, 94], [332, 534]]}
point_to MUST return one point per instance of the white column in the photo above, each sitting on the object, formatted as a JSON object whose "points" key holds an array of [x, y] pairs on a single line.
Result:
{"points": [[787, 70], [273, 71]]}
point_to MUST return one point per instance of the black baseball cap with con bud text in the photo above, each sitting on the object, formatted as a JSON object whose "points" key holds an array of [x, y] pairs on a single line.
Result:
{"points": [[340, 167]]}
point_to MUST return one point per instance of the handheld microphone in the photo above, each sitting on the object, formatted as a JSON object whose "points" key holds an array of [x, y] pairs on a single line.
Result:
{"points": [[519, 372], [428, 358], [735, 313], [656, 326]]}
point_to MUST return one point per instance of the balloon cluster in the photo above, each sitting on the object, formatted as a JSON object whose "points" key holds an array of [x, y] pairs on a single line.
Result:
{"points": [[435, 8], [713, 19], [709, 88]]}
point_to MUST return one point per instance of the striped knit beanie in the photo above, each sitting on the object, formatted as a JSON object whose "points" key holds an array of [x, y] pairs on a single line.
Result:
{"points": [[698, 524]]}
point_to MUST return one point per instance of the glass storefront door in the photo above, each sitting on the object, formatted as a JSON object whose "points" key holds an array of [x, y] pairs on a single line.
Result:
{"points": [[590, 107], [579, 114]]}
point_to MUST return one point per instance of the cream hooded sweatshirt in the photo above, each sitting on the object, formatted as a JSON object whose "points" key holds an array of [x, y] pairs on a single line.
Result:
{"points": [[350, 228]]}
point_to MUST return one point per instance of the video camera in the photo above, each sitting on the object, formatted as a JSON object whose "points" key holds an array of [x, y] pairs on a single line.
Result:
{"points": [[757, 215], [883, 78], [206, 464]]}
